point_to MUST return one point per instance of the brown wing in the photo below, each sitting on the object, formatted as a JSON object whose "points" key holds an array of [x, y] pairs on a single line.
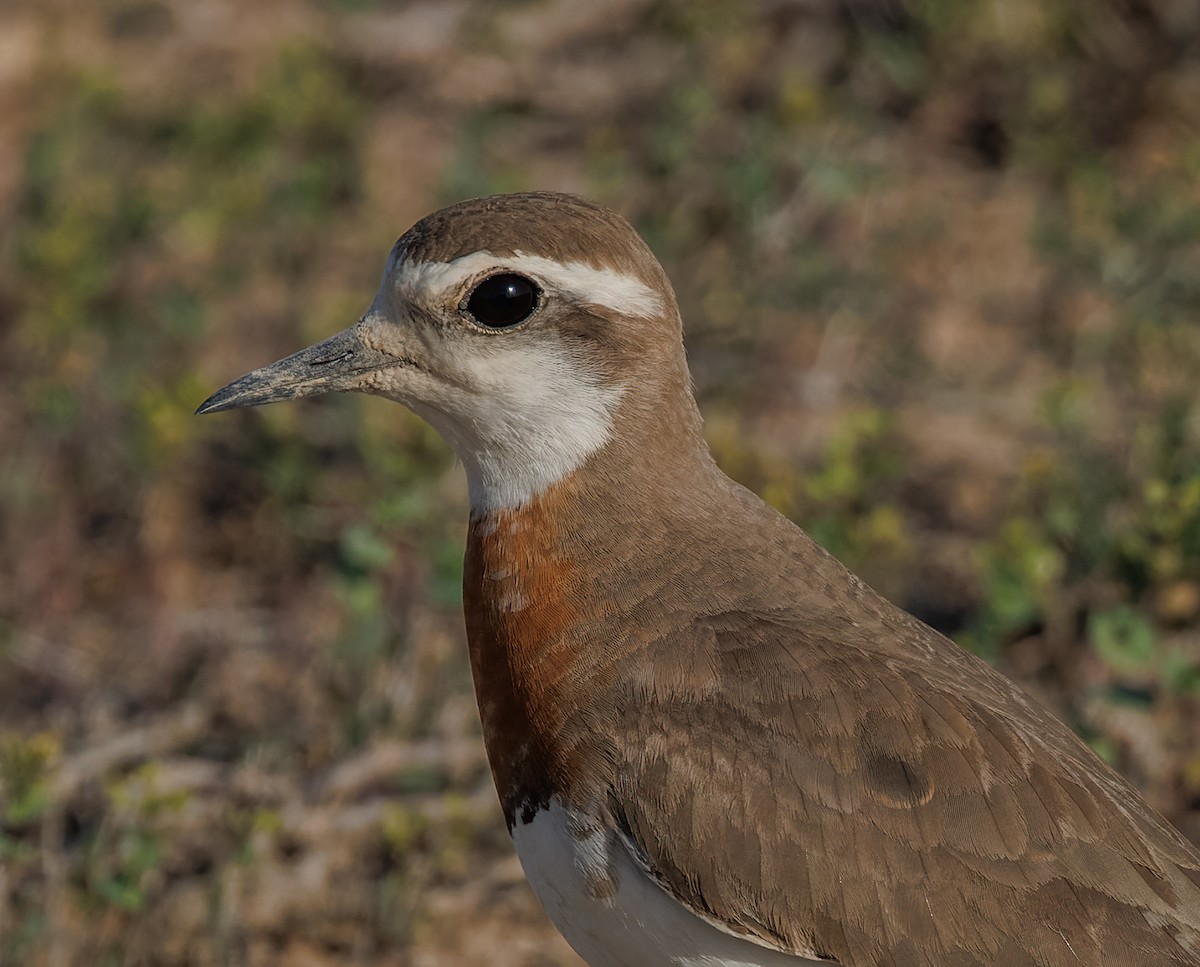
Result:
{"points": [[915, 812]]}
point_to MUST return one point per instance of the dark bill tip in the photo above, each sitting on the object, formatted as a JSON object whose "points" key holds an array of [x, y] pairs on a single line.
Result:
{"points": [[337, 364]]}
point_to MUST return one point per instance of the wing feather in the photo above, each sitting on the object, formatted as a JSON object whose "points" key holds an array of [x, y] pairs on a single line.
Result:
{"points": [[893, 813]]}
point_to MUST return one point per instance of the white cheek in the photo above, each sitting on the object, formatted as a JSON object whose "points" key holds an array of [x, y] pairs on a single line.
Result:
{"points": [[520, 418]]}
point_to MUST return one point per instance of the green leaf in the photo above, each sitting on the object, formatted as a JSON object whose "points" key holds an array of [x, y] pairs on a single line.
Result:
{"points": [[1123, 639]]}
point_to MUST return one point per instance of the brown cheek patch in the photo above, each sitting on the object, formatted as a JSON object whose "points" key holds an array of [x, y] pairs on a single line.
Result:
{"points": [[520, 586]]}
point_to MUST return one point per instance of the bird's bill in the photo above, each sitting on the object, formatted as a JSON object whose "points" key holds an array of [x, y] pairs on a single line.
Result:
{"points": [[338, 363]]}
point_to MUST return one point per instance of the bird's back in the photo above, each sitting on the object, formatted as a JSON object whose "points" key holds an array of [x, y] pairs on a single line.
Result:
{"points": [[833, 776]]}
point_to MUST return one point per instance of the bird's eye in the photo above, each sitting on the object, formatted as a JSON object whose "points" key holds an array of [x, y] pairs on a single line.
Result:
{"points": [[503, 300]]}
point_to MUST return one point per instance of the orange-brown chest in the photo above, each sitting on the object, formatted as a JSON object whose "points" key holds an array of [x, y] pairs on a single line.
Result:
{"points": [[523, 598]]}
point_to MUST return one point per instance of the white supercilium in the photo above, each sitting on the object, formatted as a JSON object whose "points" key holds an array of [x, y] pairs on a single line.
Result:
{"points": [[626, 294]]}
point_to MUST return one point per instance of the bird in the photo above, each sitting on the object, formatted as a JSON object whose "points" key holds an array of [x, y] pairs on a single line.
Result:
{"points": [[714, 745]]}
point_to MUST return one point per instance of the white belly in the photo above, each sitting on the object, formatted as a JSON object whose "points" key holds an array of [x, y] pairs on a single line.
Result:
{"points": [[633, 922]]}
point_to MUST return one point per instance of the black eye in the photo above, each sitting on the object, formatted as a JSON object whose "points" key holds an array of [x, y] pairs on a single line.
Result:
{"points": [[503, 300]]}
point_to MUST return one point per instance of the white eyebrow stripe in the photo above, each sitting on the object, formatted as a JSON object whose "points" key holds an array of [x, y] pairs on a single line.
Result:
{"points": [[626, 294]]}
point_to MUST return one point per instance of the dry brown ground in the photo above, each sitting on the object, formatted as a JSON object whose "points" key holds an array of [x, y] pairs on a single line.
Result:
{"points": [[938, 270]]}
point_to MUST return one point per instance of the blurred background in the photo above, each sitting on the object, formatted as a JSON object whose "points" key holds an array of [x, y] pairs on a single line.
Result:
{"points": [[940, 268]]}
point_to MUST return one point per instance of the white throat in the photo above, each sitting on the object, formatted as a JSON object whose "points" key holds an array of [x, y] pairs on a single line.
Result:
{"points": [[523, 421]]}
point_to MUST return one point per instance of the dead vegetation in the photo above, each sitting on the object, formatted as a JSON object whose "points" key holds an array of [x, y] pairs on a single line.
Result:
{"points": [[939, 264]]}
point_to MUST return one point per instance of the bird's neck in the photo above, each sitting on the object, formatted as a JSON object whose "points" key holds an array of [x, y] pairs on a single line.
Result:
{"points": [[545, 585]]}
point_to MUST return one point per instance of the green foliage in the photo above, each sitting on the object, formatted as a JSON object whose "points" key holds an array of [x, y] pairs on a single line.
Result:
{"points": [[363, 559], [850, 501], [120, 867], [1104, 529], [1098, 534], [18, 944], [1122, 638], [25, 763], [192, 196], [404, 506], [124, 854], [1021, 571], [477, 168]]}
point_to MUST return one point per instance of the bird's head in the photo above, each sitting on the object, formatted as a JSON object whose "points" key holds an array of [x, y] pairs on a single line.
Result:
{"points": [[530, 330]]}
